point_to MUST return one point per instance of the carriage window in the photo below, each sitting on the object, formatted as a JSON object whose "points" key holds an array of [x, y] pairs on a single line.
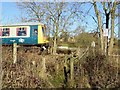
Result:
{"points": [[35, 31], [5, 32], [0, 31], [43, 29], [21, 32]]}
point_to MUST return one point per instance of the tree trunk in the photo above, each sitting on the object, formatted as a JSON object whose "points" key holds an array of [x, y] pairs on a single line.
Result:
{"points": [[100, 26], [110, 48], [55, 45], [101, 33], [55, 39]]}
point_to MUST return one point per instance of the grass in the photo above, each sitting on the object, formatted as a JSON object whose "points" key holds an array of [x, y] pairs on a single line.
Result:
{"points": [[57, 80]]}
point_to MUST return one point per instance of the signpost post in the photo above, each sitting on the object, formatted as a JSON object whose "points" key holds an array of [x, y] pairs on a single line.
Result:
{"points": [[105, 39], [106, 32]]}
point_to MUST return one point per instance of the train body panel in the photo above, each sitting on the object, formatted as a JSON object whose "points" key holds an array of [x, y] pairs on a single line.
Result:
{"points": [[23, 34]]}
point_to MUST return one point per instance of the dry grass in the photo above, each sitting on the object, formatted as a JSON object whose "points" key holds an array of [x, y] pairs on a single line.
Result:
{"points": [[90, 71]]}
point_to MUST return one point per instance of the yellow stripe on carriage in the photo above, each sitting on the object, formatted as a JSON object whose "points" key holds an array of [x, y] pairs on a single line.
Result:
{"points": [[40, 35]]}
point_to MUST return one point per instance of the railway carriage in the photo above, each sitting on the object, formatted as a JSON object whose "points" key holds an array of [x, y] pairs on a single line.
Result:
{"points": [[24, 34]]}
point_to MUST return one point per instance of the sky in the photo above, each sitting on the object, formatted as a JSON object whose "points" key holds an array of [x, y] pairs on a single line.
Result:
{"points": [[10, 13]]}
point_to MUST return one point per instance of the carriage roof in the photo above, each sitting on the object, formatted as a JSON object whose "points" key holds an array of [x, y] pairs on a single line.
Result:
{"points": [[23, 24]]}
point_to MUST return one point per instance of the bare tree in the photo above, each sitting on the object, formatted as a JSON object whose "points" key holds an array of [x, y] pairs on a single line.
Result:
{"points": [[112, 11], [109, 9], [58, 16], [99, 24]]}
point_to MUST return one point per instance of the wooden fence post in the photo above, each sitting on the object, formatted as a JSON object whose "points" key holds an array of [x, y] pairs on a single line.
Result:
{"points": [[43, 68], [72, 72], [14, 52], [66, 72], [71, 69], [93, 47]]}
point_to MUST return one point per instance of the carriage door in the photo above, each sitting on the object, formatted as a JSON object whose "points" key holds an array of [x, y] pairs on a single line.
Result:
{"points": [[34, 34]]}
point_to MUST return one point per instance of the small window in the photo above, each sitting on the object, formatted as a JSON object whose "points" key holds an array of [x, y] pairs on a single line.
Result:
{"points": [[21, 32], [0, 31], [43, 29], [35, 31], [5, 32]]}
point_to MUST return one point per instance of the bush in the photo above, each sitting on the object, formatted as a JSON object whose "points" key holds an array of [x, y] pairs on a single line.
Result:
{"points": [[100, 72]]}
